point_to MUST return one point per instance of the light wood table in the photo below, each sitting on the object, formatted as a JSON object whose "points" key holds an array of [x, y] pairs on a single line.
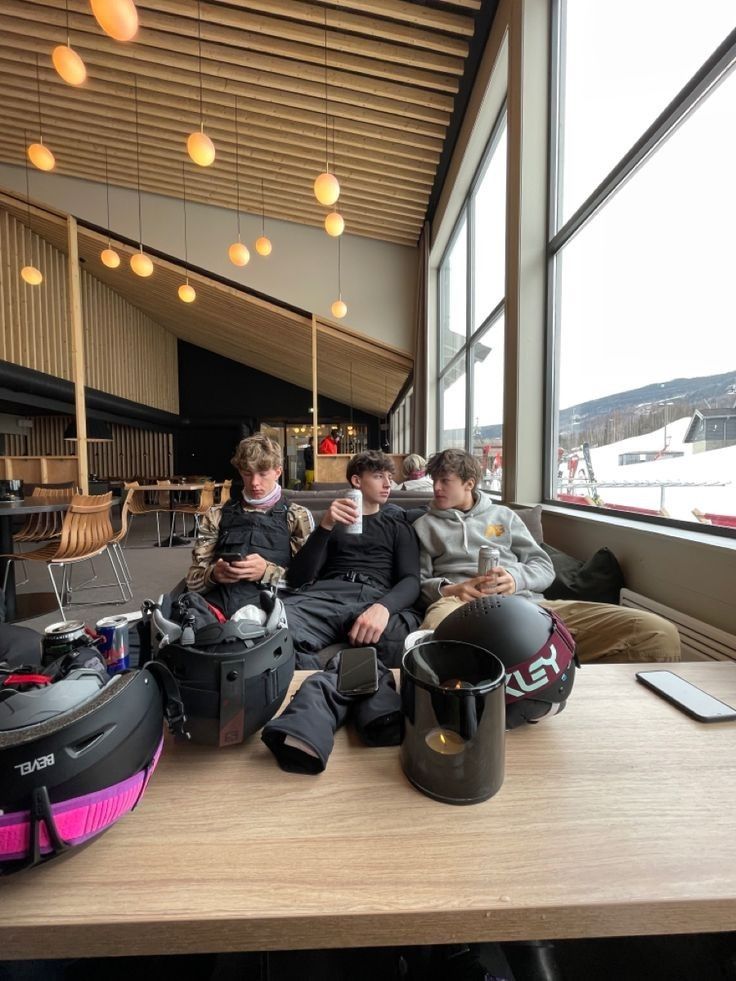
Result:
{"points": [[616, 817]]}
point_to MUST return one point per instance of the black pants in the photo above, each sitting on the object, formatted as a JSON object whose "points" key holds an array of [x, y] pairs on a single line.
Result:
{"points": [[19, 645], [323, 613]]}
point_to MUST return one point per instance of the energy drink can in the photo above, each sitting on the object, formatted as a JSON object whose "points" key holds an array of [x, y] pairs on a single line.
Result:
{"points": [[488, 558], [357, 528], [114, 646], [62, 638]]}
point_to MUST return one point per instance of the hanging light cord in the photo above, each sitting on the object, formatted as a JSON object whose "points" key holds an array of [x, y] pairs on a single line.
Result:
{"points": [[138, 165], [38, 99], [327, 134], [339, 270], [199, 58], [68, 44], [28, 194], [107, 196], [263, 210], [186, 249], [237, 166]]}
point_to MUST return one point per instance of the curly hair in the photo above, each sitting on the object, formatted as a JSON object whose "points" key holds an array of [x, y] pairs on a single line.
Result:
{"points": [[257, 453], [458, 462]]}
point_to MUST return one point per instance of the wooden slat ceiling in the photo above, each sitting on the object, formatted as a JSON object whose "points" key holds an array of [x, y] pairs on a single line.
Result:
{"points": [[351, 368], [393, 68]]}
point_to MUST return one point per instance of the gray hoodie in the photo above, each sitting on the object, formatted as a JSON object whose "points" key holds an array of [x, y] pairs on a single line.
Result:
{"points": [[450, 540]]}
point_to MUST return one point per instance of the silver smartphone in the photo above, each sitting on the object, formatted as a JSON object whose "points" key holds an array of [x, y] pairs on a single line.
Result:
{"points": [[695, 702]]}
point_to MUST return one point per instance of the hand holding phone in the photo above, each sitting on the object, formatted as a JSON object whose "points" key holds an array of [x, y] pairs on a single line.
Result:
{"points": [[230, 556], [691, 700], [358, 671]]}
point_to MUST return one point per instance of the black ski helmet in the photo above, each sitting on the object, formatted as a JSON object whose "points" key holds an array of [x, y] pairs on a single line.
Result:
{"points": [[77, 749], [534, 645], [233, 676]]}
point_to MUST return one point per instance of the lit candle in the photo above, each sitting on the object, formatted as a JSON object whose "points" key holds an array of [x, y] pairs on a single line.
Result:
{"points": [[455, 684], [445, 742]]}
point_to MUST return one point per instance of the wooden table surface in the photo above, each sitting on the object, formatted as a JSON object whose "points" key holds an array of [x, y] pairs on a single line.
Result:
{"points": [[615, 817]]}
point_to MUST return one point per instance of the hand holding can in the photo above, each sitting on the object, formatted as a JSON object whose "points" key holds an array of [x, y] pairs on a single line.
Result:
{"points": [[488, 559]]}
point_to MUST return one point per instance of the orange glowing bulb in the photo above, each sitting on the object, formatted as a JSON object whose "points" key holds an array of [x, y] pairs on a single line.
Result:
{"points": [[41, 157], [110, 258], [327, 189], [118, 18], [334, 224], [68, 64], [200, 148], [239, 254], [263, 246], [187, 293], [141, 264], [339, 309], [31, 275]]}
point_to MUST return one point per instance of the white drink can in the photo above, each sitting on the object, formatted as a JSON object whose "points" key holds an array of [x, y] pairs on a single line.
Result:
{"points": [[488, 558], [357, 528]]}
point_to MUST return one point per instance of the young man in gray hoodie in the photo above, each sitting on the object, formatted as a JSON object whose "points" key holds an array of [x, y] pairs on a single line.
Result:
{"points": [[461, 519]]}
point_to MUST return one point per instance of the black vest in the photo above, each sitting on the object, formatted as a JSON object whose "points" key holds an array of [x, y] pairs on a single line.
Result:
{"points": [[263, 532]]}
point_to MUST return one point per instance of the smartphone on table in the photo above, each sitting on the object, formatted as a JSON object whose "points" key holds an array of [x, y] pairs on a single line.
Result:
{"points": [[695, 702], [357, 673]]}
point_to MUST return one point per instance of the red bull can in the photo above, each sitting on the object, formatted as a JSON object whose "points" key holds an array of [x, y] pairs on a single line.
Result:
{"points": [[114, 645]]}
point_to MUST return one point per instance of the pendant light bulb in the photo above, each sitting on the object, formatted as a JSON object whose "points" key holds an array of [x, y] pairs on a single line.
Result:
{"points": [[110, 258], [187, 293], [141, 264], [339, 309], [200, 148], [41, 157], [239, 254], [334, 224], [68, 64], [117, 18], [327, 189], [31, 275], [263, 246]]}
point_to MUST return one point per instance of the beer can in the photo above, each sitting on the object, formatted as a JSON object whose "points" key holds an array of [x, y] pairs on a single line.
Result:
{"points": [[357, 528], [114, 646], [62, 638], [488, 558]]}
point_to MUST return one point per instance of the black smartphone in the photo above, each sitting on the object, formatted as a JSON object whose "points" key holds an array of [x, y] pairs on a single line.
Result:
{"points": [[358, 671], [230, 556], [683, 695]]}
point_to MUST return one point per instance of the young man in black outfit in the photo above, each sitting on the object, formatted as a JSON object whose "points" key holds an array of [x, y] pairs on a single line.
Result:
{"points": [[356, 588]]}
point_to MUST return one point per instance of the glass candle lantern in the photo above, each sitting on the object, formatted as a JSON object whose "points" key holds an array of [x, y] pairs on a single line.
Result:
{"points": [[454, 721]]}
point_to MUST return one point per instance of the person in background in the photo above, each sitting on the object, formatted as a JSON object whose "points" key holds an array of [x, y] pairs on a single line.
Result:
{"points": [[309, 463], [356, 588], [414, 472], [260, 527], [330, 444], [461, 519]]}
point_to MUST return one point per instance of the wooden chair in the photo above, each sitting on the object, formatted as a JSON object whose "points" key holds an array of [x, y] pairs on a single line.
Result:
{"points": [[86, 532], [41, 527], [205, 502], [136, 505]]}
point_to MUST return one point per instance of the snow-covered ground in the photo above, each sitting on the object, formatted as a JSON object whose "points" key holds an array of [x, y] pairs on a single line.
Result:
{"points": [[710, 466]]}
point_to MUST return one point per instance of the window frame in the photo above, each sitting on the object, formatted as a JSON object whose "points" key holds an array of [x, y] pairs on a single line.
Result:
{"points": [[699, 86], [465, 355]]}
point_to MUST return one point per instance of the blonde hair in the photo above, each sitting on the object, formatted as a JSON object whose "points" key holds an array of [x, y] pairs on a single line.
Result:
{"points": [[257, 453], [412, 464]]}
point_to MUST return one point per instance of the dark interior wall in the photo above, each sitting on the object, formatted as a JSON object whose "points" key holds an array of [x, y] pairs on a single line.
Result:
{"points": [[221, 401]]}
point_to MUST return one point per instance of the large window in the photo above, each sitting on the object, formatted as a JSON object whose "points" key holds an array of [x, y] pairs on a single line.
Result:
{"points": [[471, 288], [642, 257]]}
